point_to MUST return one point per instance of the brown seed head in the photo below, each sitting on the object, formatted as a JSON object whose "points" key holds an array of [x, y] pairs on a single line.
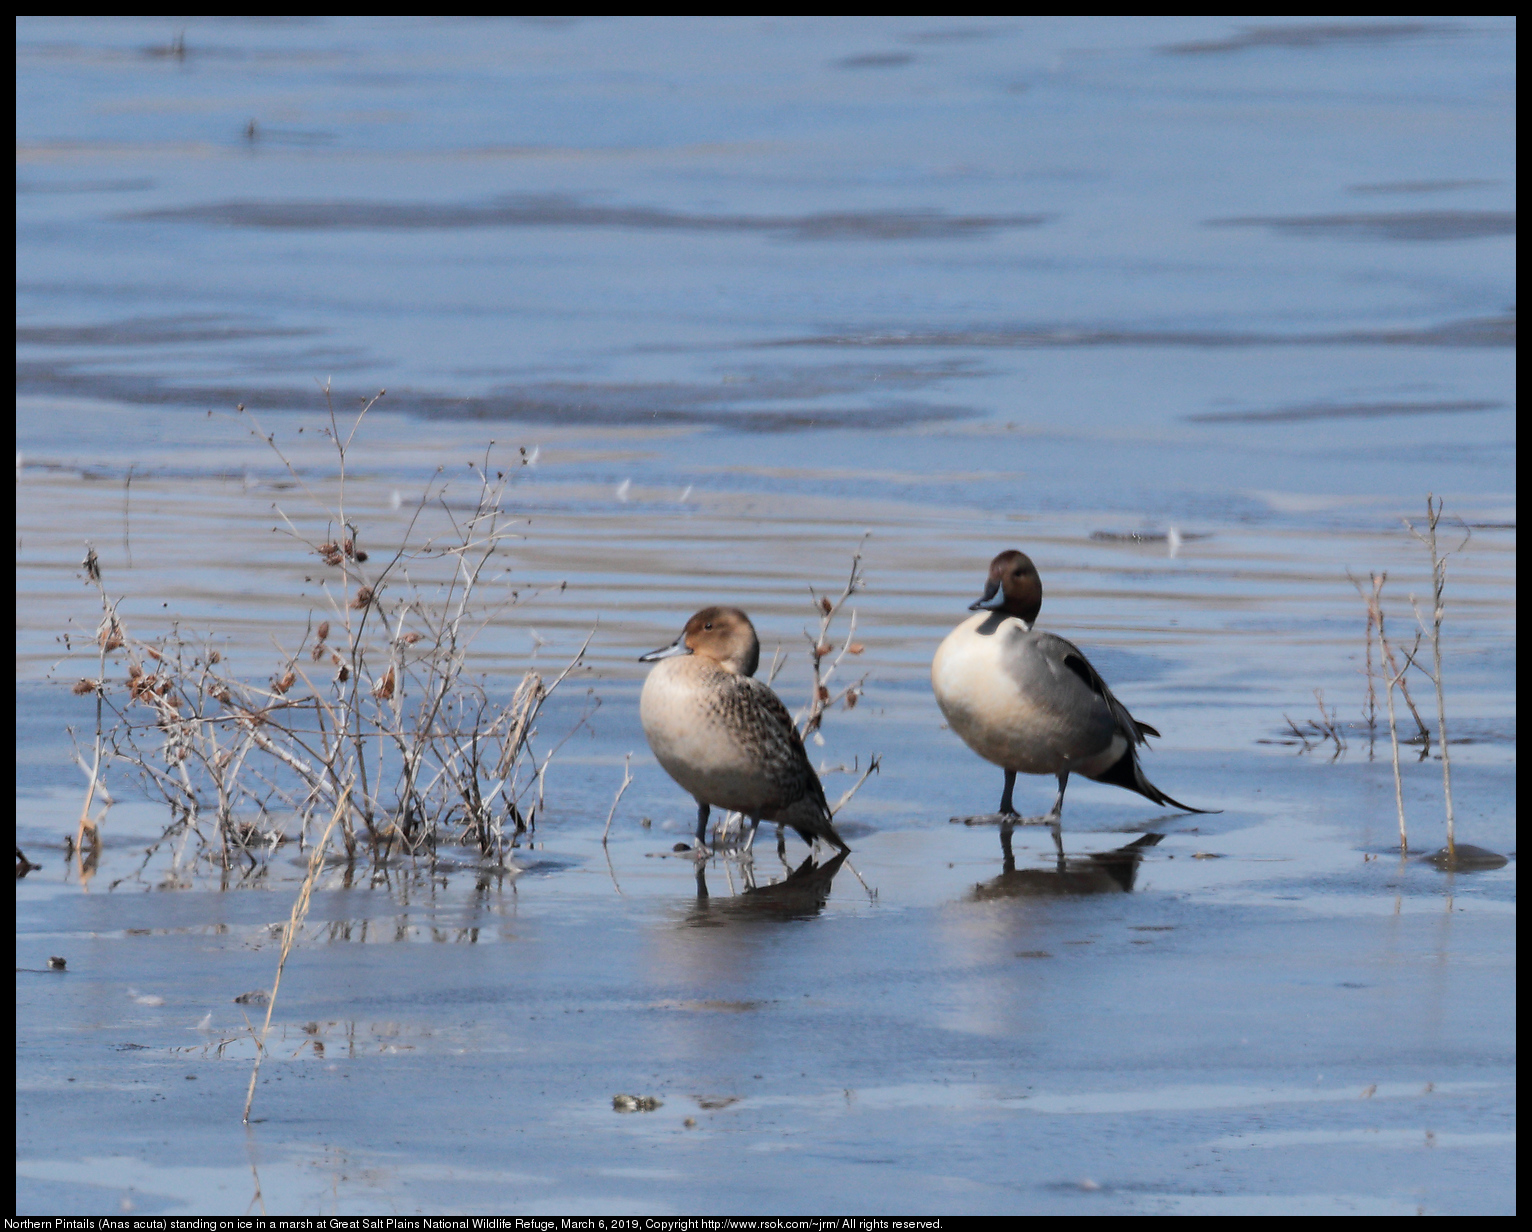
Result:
{"points": [[323, 631], [363, 598], [215, 657], [855, 648], [824, 693], [826, 606], [821, 650], [82, 687]]}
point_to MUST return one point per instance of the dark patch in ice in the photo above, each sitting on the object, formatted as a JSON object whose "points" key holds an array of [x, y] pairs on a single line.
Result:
{"points": [[1498, 331], [1145, 536], [1414, 187], [1353, 410], [1464, 858], [257, 133], [955, 34], [25, 188], [556, 210], [149, 331], [1404, 225], [1314, 34], [745, 405], [877, 59], [543, 865]]}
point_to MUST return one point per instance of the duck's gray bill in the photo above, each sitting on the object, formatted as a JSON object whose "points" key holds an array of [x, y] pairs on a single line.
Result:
{"points": [[992, 600], [677, 647]]}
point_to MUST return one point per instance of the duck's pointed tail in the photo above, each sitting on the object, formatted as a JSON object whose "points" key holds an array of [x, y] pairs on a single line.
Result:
{"points": [[1126, 772], [810, 817]]}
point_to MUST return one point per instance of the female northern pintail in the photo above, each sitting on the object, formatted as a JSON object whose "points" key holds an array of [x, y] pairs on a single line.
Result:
{"points": [[724, 736], [1031, 702]]}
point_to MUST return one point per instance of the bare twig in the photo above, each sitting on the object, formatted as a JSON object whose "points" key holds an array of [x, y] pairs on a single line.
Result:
{"points": [[873, 764], [1392, 678], [289, 938], [627, 778], [1438, 611], [820, 648], [387, 719]]}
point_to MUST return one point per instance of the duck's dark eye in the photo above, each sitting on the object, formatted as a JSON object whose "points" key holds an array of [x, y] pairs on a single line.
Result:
{"points": [[709, 625]]}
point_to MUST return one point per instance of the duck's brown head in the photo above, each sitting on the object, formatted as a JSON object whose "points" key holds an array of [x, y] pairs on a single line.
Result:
{"points": [[722, 634], [1013, 587]]}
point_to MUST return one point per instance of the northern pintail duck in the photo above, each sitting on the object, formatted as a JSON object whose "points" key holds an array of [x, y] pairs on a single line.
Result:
{"points": [[1031, 702], [724, 736]]}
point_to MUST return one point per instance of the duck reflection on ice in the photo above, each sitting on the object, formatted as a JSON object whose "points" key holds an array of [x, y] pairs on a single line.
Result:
{"points": [[1099, 872], [800, 896]]}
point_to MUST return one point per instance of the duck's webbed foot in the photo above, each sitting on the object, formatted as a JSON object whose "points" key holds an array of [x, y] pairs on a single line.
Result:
{"points": [[989, 819], [1008, 816]]}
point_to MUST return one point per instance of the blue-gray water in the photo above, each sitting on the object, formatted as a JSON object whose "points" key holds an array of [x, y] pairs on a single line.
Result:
{"points": [[746, 290]]}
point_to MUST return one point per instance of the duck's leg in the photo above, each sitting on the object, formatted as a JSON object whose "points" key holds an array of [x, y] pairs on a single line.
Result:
{"points": [[755, 824], [781, 842], [1052, 816], [702, 812], [1007, 814]]}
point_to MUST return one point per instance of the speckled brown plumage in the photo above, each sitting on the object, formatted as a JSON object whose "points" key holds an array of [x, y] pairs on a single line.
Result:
{"points": [[724, 736]]}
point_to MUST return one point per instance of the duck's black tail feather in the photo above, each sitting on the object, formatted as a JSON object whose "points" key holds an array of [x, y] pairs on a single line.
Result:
{"points": [[810, 817], [1126, 772]]}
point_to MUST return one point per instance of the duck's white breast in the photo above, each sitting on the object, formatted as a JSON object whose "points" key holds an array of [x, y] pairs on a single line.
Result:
{"points": [[699, 739], [980, 695]]}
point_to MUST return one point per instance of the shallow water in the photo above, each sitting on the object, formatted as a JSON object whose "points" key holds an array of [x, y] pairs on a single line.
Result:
{"points": [[747, 291]]}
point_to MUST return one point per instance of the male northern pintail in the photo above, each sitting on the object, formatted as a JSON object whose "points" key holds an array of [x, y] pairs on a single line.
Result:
{"points": [[1031, 702], [724, 736]]}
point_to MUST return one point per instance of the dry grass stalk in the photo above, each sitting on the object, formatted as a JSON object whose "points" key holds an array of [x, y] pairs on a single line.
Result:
{"points": [[627, 778], [289, 938], [1370, 710], [1393, 678], [1438, 611], [1326, 729]]}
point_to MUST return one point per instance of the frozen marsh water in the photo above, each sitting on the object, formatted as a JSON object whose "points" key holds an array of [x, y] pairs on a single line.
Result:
{"points": [[747, 290]]}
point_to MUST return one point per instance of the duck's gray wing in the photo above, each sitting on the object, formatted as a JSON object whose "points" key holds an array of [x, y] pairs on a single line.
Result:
{"points": [[1073, 658], [1125, 772], [1057, 680]]}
